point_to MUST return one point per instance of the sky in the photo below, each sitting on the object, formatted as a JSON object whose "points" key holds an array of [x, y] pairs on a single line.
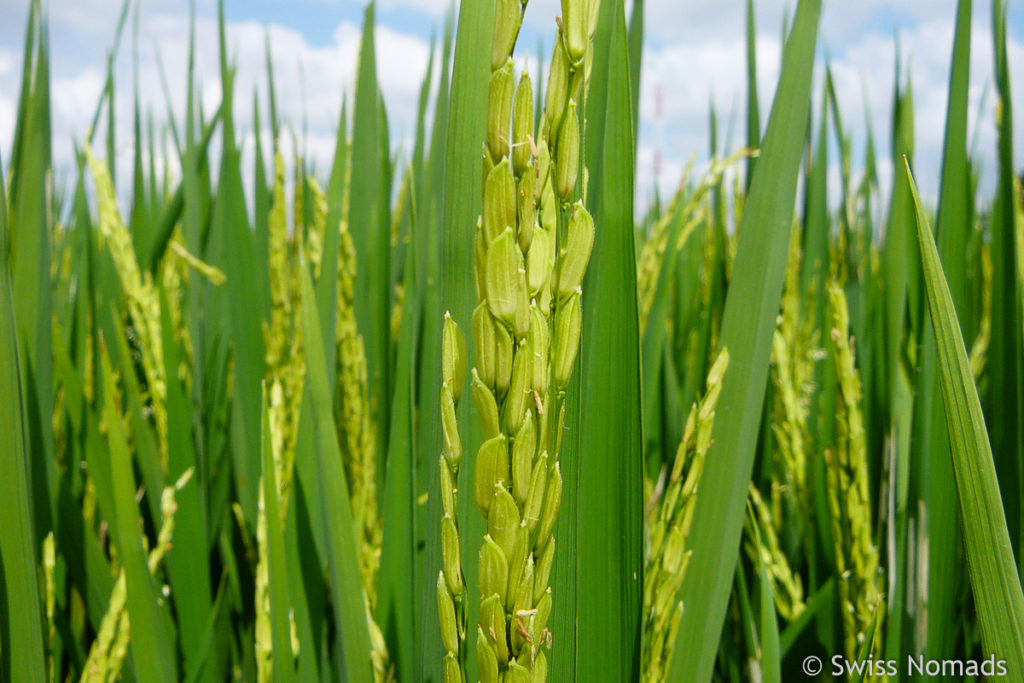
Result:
{"points": [[694, 56]]}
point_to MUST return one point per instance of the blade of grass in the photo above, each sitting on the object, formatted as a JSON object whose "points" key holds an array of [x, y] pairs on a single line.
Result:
{"points": [[152, 640], [753, 104], [952, 228], [21, 629], [771, 649], [353, 638], [428, 253], [653, 341], [823, 598], [395, 609], [29, 231], [598, 571], [994, 580], [747, 326], [243, 324], [187, 562], [636, 55], [1005, 405], [461, 207], [370, 226]]}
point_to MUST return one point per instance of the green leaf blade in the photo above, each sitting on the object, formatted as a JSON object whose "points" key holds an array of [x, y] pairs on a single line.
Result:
{"points": [[747, 326], [994, 580]]}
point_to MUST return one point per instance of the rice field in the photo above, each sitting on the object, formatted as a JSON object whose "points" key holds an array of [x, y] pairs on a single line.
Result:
{"points": [[477, 412]]}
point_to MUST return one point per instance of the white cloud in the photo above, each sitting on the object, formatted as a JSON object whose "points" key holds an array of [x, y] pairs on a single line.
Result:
{"points": [[311, 80], [706, 56], [695, 51], [7, 61], [6, 120]]}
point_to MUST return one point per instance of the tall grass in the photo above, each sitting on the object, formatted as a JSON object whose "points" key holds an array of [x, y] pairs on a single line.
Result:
{"points": [[238, 440]]}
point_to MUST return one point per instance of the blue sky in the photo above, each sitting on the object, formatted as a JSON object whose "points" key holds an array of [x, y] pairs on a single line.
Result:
{"points": [[694, 53]]}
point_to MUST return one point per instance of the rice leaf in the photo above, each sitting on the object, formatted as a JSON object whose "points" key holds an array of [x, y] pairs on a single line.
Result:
{"points": [[771, 657], [598, 571], [396, 611], [30, 222], [636, 55], [753, 103], [187, 561], [21, 629], [1004, 408], [461, 207], [353, 639], [369, 221], [152, 639], [952, 226], [994, 580], [747, 327]]}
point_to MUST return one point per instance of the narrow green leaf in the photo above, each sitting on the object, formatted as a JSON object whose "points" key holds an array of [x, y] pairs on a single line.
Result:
{"points": [[1005, 405], [598, 574], [952, 229], [187, 562], [747, 326], [21, 628], [353, 638], [753, 103], [30, 224], [243, 324], [396, 610], [636, 56], [996, 586], [152, 641], [370, 226], [824, 597], [467, 109]]}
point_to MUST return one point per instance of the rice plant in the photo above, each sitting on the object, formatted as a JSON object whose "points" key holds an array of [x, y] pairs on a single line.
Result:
{"points": [[466, 415]]}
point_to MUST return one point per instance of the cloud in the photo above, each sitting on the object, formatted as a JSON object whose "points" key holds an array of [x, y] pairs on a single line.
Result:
{"points": [[6, 118], [695, 51], [311, 80], [7, 61], [707, 58]]}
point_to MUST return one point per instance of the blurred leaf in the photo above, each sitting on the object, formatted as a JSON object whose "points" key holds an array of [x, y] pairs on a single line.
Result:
{"points": [[152, 640], [350, 612], [21, 628]]}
